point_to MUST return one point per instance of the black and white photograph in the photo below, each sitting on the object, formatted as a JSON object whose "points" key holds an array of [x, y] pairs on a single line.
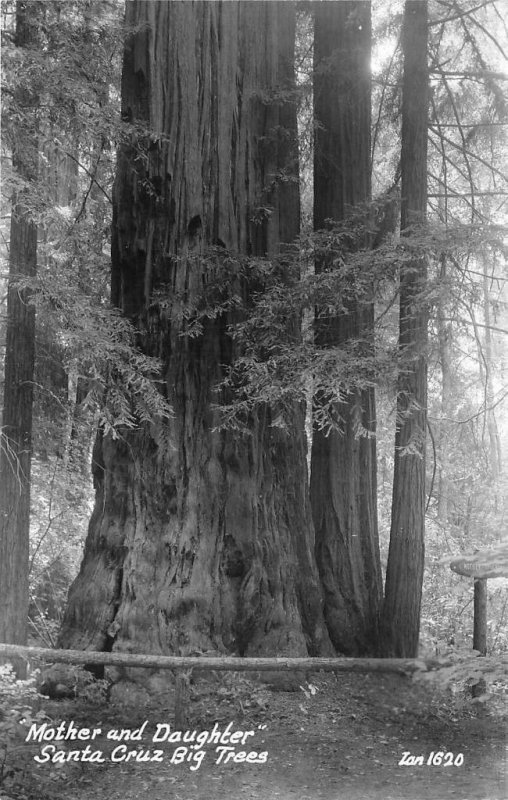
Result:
{"points": [[253, 400]]}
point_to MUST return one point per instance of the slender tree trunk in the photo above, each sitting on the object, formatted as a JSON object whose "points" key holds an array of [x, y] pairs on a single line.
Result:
{"points": [[401, 610], [343, 462], [494, 448], [16, 436], [444, 454], [200, 539], [72, 394]]}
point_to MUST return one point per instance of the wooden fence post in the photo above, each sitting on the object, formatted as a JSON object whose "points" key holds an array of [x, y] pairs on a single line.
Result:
{"points": [[480, 616], [480, 629], [182, 695]]}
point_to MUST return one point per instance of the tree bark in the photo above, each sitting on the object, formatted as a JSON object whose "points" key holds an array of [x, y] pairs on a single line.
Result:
{"points": [[404, 576], [201, 539], [16, 435], [343, 462]]}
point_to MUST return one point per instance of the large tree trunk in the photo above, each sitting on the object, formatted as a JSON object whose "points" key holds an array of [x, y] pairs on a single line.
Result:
{"points": [[200, 539], [16, 436], [404, 577], [343, 465]]}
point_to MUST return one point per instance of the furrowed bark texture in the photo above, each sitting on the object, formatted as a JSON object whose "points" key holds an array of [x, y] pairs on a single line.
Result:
{"points": [[16, 435], [401, 609], [343, 465], [200, 540]]}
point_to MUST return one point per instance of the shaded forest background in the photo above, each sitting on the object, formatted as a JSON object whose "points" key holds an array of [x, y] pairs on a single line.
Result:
{"points": [[62, 130]]}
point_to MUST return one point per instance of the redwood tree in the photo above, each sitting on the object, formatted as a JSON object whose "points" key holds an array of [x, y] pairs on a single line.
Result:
{"points": [[343, 466], [16, 435], [201, 538], [404, 577]]}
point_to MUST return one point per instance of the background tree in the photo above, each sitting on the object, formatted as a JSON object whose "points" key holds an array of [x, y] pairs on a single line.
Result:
{"points": [[200, 539], [343, 463], [467, 194], [16, 434]]}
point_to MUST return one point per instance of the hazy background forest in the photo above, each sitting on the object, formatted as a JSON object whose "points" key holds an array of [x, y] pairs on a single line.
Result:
{"points": [[61, 133]]}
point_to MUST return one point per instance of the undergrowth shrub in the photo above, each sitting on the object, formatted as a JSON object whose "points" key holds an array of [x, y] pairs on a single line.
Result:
{"points": [[19, 708], [468, 670], [65, 681], [21, 705]]}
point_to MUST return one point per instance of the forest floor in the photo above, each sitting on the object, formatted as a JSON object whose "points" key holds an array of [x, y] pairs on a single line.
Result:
{"points": [[343, 738]]}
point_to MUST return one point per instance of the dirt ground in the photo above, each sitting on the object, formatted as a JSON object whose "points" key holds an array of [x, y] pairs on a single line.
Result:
{"points": [[339, 738]]}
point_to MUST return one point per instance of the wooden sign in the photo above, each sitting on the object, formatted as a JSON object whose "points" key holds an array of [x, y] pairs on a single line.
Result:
{"points": [[492, 563]]}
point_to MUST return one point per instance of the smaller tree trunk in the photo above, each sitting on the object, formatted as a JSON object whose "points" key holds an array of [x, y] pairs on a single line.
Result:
{"points": [[493, 433], [343, 485], [443, 446], [404, 576], [16, 436]]}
